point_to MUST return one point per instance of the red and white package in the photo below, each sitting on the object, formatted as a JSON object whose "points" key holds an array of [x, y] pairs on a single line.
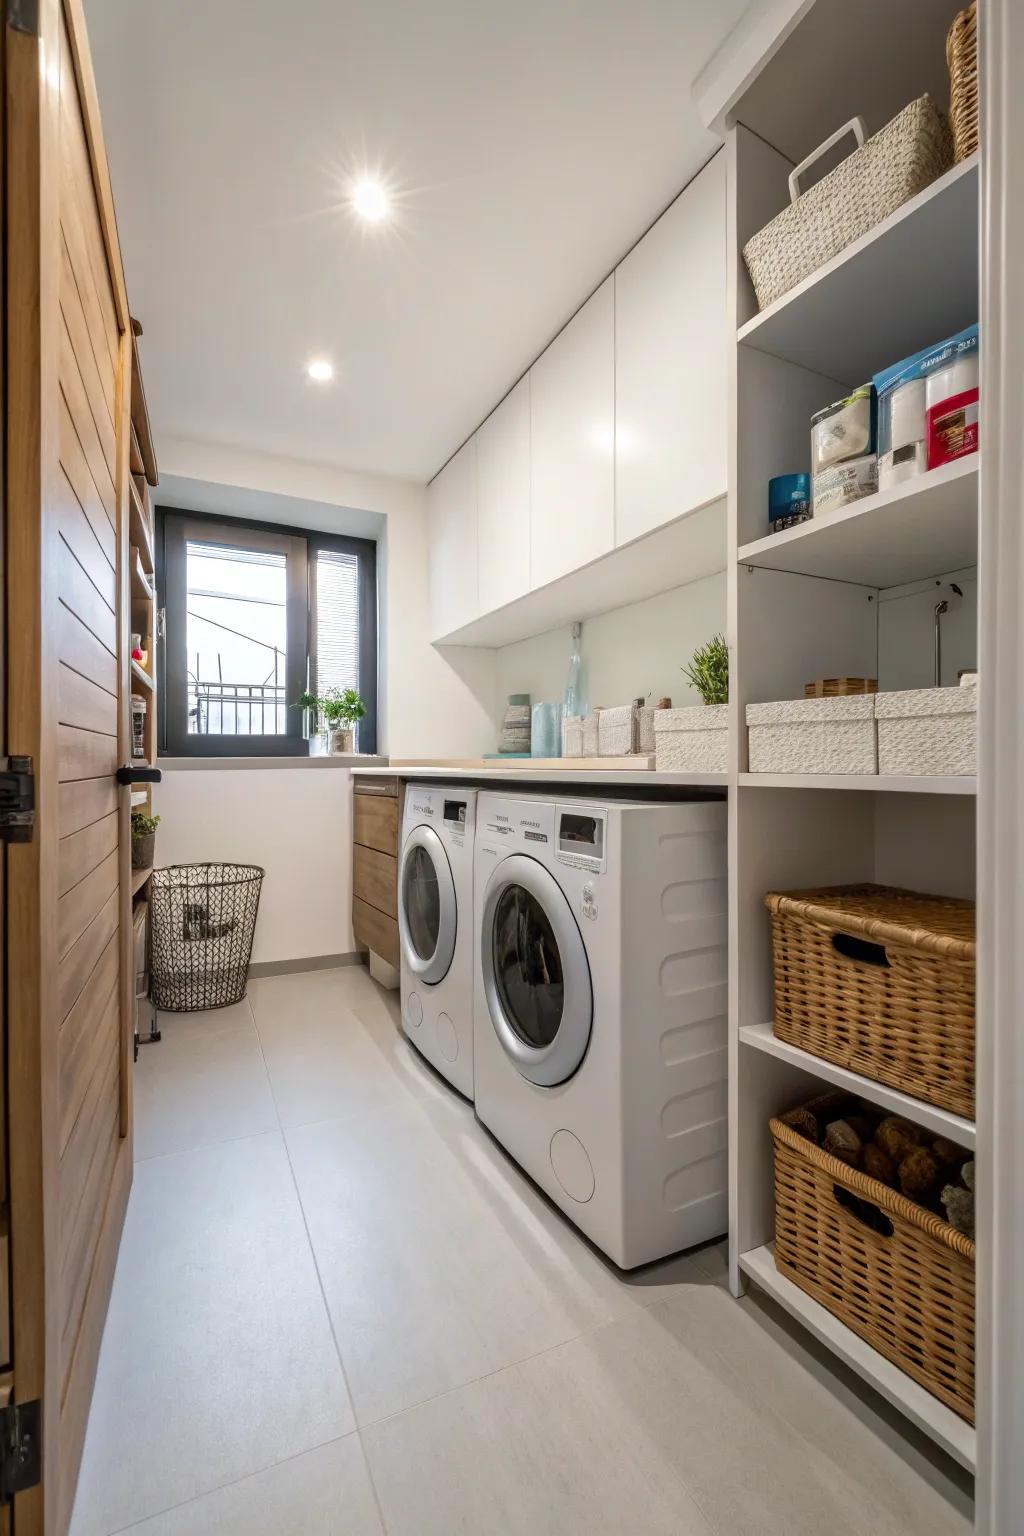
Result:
{"points": [[952, 411]]}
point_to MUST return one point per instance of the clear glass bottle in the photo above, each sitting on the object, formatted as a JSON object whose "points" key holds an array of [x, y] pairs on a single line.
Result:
{"points": [[575, 703]]}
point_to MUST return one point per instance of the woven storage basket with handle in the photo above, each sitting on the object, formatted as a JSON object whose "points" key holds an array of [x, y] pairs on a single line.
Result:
{"points": [[898, 1275], [880, 981], [962, 58], [887, 169]]}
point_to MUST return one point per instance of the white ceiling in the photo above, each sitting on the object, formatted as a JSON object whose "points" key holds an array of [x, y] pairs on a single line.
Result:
{"points": [[531, 142]]}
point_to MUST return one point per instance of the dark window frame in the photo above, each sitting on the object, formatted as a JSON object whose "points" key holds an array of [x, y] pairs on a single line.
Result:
{"points": [[303, 546]]}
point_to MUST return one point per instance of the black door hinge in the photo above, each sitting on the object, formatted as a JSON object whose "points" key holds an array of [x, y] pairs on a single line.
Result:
{"points": [[23, 16], [17, 799], [21, 1453]]}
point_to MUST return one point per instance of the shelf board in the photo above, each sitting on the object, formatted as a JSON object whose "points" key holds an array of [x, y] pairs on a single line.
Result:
{"points": [[914, 530], [141, 430], [884, 784], [139, 878], [140, 675], [945, 1427], [140, 532], [140, 797], [561, 771], [882, 298], [940, 1121], [142, 591]]}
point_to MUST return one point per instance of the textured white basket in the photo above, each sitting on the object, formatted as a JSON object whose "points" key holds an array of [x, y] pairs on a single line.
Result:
{"points": [[590, 733], [898, 162], [813, 736], [692, 740], [618, 731], [927, 730], [572, 736]]}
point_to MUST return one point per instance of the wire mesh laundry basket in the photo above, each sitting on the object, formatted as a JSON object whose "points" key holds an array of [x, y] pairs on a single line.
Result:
{"points": [[203, 918]]}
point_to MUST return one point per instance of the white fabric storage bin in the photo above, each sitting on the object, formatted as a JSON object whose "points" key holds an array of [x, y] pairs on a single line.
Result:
{"points": [[692, 740], [927, 731], [813, 736], [618, 731]]}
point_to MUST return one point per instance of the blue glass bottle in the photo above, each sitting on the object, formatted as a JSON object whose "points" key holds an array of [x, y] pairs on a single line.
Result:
{"points": [[575, 704]]}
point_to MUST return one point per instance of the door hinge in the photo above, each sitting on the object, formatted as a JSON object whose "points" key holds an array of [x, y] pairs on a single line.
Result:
{"points": [[21, 1454], [23, 16], [17, 799]]}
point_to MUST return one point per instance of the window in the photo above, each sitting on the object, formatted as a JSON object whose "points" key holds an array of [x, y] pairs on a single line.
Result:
{"points": [[254, 616]]}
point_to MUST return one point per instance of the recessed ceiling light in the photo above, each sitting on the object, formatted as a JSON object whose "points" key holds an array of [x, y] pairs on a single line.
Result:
{"points": [[321, 370], [370, 199]]}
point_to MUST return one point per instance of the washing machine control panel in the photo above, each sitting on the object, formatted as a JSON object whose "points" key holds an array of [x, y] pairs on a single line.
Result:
{"points": [[581, 838], [528, 825]]}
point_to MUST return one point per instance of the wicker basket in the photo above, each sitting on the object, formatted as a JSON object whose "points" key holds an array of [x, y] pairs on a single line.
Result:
{"points": [[962, 58], [880, 981], [892, 1271], [879, 177]]}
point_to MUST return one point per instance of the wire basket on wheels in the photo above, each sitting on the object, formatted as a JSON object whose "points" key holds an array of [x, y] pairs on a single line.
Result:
{"points": [[203, 918]]}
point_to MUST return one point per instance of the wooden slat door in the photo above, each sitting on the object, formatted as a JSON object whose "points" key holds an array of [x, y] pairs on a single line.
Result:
{"points": [[69, 994]]}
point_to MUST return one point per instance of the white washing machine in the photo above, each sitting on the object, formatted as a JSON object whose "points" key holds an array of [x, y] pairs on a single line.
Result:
{"points": [[600, 999], [435, 925]]}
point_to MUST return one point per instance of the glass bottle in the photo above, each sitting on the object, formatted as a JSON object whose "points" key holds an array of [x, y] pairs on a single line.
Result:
{"points": [[575, 703]]}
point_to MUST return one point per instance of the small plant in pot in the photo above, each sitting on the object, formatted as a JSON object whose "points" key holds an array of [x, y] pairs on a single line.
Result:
{"points": [[708, 671], [334, 713], [143, 839]]}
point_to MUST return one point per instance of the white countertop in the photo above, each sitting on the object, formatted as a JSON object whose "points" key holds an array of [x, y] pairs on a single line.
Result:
{"points": [[526, 775]]}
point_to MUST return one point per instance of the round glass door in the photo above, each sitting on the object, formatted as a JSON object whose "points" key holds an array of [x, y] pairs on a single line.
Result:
{"points": [[427, 915], [536, 975]]}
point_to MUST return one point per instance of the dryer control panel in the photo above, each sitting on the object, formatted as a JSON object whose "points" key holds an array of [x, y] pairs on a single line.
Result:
{"points": [[581, 838]]}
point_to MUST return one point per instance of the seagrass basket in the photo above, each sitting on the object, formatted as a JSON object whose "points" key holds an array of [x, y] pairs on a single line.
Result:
{"points": [[880, 981], [962, 58], [896, 1274]]}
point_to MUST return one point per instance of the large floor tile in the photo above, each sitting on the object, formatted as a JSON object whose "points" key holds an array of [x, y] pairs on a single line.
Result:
{"points": [[432, 1274], [326, 1492], [217, 1357], [322, 1060], [196, 1089], [205, 1022]]}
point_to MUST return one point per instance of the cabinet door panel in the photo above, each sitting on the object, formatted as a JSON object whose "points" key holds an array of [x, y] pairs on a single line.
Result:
{"points": [[670, 362], [452, 543], [572, 415], [503, 497]]}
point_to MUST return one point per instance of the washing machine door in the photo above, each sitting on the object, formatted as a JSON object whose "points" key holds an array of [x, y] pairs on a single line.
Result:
{"points": [[535, 970], [427, 909]]}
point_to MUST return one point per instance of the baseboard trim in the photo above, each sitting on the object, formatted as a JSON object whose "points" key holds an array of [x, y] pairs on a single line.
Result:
{"points": [[304, 963]]}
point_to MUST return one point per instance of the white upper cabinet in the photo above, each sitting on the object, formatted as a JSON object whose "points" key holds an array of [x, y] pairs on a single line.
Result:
{"points": [[670, 362], [503, 500], [452, 543], [572, 414]]}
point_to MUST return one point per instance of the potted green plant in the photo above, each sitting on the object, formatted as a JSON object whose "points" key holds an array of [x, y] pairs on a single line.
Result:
{"points": [[696, 740], [143, 839], [333, 714]]}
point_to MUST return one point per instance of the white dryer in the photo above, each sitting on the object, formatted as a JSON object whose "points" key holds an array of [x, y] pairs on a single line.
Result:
{"points": [[600, 1001], [435, 922]]}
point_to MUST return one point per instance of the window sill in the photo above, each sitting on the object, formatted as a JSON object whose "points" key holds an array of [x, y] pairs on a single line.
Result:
{"points": [[226, 764]]}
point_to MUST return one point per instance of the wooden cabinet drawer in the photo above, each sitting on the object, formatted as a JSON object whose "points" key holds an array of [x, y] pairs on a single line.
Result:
{"points": [[375, 879], [382, 786], [375, 931], [375, 823]]}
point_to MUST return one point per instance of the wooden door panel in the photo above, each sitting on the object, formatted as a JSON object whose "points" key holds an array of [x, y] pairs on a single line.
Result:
{"points": [[82, 802], [82, 851], [78, 646], [75, 466], [80, 906], [68, 350]]}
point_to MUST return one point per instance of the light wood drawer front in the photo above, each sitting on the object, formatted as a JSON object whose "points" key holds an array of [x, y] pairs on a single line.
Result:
{"points": [[388, 787], [376, 823], [375, 879], [375, 931]]}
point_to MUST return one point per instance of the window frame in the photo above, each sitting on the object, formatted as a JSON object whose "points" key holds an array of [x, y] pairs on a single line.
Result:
{"points": [[301, 545]]}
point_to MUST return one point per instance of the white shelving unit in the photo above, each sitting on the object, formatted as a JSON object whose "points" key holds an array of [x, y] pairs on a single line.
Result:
{"points": [[818, 600]]}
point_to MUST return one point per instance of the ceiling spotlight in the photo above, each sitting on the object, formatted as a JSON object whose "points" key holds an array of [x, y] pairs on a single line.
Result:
{"points": [[370, 199], [321, 370]]}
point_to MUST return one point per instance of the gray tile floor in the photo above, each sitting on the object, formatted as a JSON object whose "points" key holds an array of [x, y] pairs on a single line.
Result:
{"points": [[340, 1310]]}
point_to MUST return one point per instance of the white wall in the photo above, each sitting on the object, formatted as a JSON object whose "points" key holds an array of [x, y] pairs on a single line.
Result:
{"points": [[295, 822], [631, 651], [432, 703]]}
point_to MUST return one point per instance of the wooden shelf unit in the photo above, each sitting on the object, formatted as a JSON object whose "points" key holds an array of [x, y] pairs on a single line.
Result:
{"points": [[142, 564], [140, 525], [849, 594], [139, 878]]}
